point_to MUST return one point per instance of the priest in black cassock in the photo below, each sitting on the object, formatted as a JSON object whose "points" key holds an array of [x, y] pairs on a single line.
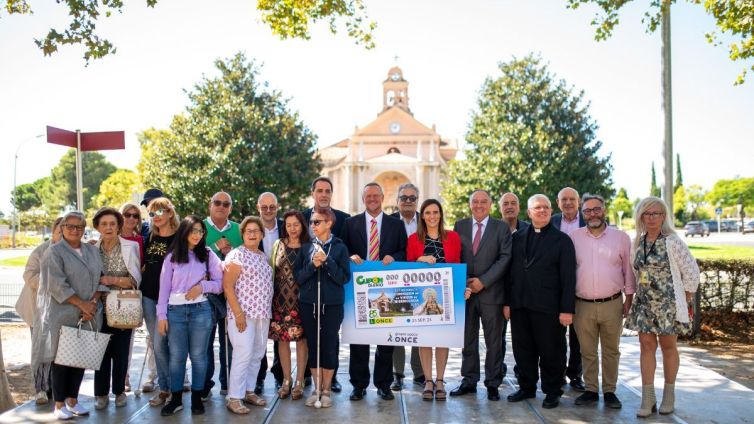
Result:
{"points": [[539, 301]]}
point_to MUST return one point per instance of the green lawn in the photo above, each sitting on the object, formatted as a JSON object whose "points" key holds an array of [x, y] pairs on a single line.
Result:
{"points": [[18, 261], [721, 251]]}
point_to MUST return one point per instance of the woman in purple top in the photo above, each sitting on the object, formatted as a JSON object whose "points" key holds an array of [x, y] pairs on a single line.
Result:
{"points": [[189, 271]]}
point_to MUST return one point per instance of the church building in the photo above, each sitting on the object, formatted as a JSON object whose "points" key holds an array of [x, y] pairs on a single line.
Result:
{"points": [[392, 150]]}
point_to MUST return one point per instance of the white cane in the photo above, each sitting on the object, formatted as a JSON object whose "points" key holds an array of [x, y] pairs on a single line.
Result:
{"points": [[318, 403], [227, 362], [137, 392]]}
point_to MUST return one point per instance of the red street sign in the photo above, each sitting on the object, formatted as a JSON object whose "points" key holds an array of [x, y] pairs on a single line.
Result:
{"points": [[107, 140]]}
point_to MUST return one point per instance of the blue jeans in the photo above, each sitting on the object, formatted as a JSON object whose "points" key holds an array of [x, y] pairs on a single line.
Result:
{"points": [[159, 343], [189, 327]]}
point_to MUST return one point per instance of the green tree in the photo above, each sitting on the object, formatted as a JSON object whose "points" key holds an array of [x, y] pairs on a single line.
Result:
{"points": [[236, 135], [654, 189], [680, 201], [620, 203], [727, 192], [117, 189], [25, 197], [95, 168], [529, 134], [696, 196], [287, 19], [678, 173], [733, 18]]}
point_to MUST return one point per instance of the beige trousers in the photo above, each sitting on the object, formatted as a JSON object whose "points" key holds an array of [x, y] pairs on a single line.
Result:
{"points": [[599, 323]]}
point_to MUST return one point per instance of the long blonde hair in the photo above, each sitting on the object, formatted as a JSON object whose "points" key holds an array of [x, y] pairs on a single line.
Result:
{"points": [[165, 204], [646, 203]]}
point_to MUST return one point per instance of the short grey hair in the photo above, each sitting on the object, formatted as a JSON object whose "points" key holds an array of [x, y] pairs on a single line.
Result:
{"points": [[500, 202], [480, 190], [73, 214], [267, 193], [372, 184], [408, 186], [539, 196], [589, 196], [222, 192], [560, 193]]}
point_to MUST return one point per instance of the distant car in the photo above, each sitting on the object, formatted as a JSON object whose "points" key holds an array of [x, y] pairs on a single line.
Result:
{"points": [[729, 225], [696, 228], [749, 227], [712, 225]]}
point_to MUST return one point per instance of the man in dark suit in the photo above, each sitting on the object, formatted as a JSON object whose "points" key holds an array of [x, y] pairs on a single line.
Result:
{"points": [[540, 297], [485, 249], [267, 206], [407, 201], [568, 220], [372, 236], [509, 210], [322, 189]]}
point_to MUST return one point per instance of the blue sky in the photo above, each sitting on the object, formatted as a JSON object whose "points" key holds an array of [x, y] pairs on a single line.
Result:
{"points": [[446, 50]]}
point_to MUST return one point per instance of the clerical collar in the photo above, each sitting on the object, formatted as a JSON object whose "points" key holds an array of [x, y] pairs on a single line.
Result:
{"points": [[539, 230]]}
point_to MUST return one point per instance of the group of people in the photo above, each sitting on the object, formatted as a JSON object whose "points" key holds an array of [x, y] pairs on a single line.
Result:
{"points": [[284, 279]]}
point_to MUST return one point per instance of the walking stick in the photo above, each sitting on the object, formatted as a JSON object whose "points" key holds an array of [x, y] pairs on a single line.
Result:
{"points": [[227, 361], [318, 403], [137, 392]]}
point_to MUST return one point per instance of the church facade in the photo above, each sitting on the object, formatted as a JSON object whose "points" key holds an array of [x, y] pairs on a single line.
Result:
{"points": [[392, 150]]}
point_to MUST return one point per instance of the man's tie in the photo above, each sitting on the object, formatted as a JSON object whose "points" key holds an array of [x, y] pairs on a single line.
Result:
{"points": [[374, 242], [477, 238]]}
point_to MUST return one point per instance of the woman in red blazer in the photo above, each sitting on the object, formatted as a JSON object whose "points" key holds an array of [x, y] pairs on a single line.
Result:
{"points": [[431, 244]]}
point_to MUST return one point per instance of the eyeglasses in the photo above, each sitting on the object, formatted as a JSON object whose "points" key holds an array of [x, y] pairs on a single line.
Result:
{"points": [[268, 208], [595, 210], [219, 203], [540, 208], [71, 227], [652, 214], [410, 199], [158, 212], [132, 215], [252, 232], [198, 231], [316, 222]]}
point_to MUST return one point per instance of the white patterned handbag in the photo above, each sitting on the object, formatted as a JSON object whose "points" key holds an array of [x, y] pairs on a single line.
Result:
{"points": [[80, 348], [123, 309]]}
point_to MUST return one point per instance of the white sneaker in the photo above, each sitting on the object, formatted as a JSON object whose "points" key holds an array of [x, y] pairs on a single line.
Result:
{"points": [[41, 398], [62, 413], [77, 409], [120, 400], [101, 402]]}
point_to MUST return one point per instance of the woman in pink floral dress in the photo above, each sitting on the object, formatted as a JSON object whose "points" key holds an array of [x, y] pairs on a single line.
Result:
{"points": [[286, 326], [248, 289]]}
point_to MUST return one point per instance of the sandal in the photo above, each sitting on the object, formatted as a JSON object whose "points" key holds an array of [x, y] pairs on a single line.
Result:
{"points": [[440, 394], [236, 406], [285, 389], [252, 399], [298, 391], [428, 394]]}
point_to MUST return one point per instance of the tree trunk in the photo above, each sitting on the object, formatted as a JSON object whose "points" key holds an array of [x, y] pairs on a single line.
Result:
{"points": [[6, 400], [667, 106]]}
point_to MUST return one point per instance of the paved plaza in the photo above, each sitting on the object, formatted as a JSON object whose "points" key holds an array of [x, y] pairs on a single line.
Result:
{"points": [[703, 396]]}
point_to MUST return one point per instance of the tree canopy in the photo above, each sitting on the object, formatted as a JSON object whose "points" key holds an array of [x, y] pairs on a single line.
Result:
{"points": [[235, 135], [95, 167], [117, 189], [730, 192], [287, 19], [732, 17], [530, 133]]}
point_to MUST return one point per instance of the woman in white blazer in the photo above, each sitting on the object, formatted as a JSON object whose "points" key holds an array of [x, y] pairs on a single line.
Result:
{"points": [[121, 269]]}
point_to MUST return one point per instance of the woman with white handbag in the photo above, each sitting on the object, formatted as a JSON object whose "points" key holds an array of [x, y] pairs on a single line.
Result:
{"points": [[121, 267], [69, 291]]}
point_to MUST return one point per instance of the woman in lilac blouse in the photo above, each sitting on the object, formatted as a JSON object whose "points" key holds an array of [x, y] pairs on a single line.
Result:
{"points": [[248, 289], [189, 271]]}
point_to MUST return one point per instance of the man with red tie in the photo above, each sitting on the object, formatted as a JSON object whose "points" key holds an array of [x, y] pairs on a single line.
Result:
{"points": [[373, 236]]}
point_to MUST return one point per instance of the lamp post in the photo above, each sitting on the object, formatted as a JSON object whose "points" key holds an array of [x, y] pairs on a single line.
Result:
{"points": [[15, 166], [741, 212]]}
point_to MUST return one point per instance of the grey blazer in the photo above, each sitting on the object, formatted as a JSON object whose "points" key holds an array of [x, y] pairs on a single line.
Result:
{"points": [[64, 273], [491, 260]]}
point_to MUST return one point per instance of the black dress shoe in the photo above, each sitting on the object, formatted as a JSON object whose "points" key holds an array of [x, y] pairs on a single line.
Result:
{"points": [[520, 395], [612, 401], [385, 394], [587, 398], [419, 381], [463, 389], [259, 388], [578, 384], [334, 386], [551, 401], [397, 384], [357, 394], [493, 394]]}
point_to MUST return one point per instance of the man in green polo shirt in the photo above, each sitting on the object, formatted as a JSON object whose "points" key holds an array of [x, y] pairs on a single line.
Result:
{"points": [[222, 236]]}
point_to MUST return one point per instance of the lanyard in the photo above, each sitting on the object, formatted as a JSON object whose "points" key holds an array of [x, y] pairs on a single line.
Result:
{"points": [[651, 248]]}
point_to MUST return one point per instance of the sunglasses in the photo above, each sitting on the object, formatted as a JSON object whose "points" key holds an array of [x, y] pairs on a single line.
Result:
{"points": [[268, 208], [411, 199], [132, 215], [219, 203], [316, 222], [158, 212]]}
